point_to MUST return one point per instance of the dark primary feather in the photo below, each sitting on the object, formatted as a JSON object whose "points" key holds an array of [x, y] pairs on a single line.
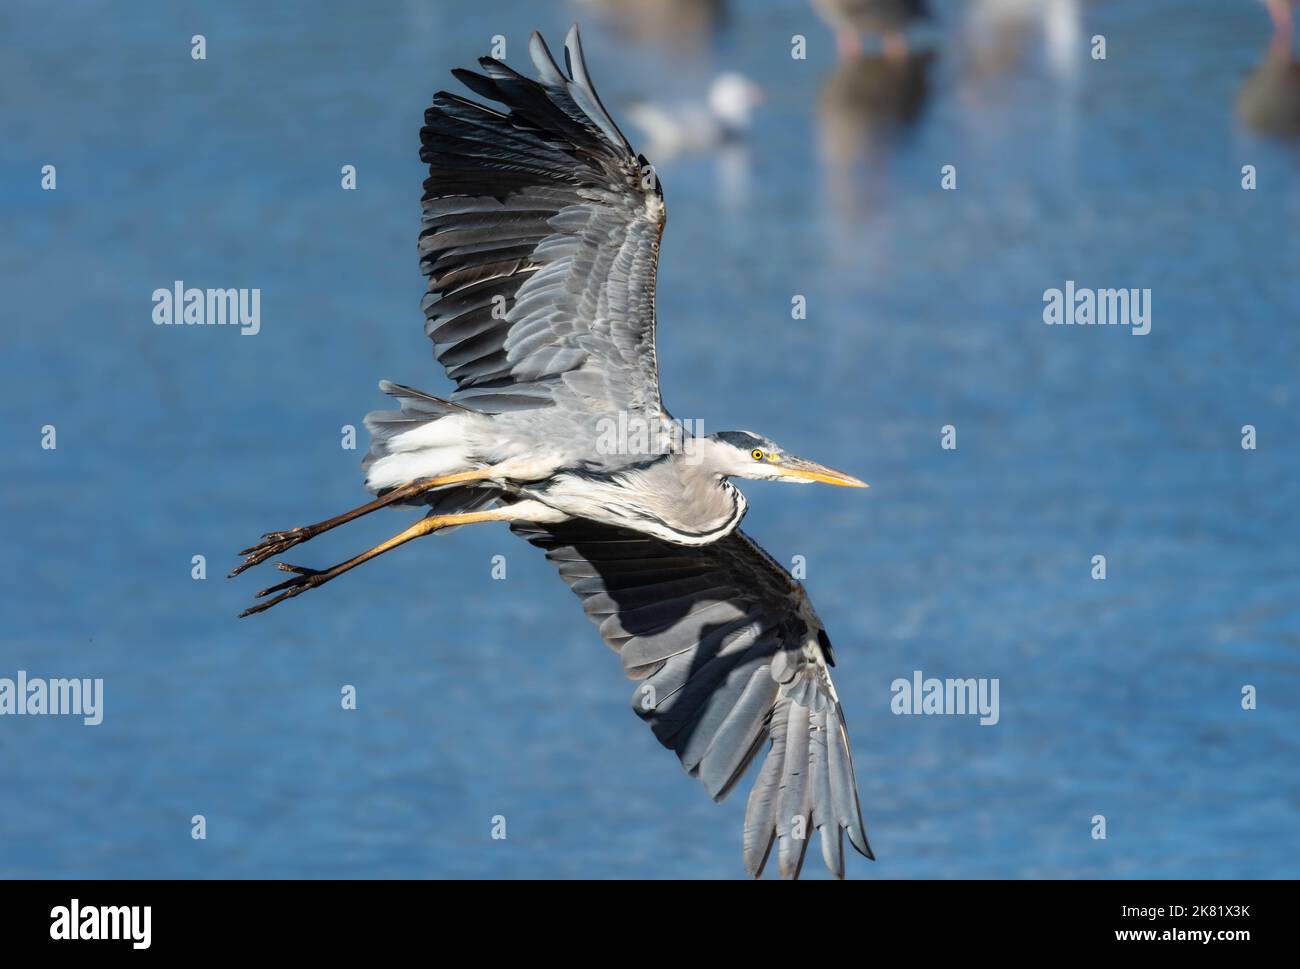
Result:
{"points": [[728, 652], [540, 239]]}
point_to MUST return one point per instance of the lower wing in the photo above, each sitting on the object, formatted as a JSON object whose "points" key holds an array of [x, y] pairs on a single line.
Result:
{"points": [[729, 653]]}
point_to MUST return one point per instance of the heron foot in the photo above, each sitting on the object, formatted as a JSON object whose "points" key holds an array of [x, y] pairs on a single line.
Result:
{"points": [[273, 543], [304, 579]]}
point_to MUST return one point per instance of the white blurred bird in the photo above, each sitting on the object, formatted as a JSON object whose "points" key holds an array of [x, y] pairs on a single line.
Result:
{"points": [[690, 126], [997, 31]]}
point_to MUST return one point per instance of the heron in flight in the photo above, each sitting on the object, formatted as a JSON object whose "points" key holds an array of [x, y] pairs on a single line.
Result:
{"points": [[540, 240]]}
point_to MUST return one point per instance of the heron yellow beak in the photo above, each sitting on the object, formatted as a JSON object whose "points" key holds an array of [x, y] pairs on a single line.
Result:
{"points": [[800, 469]]}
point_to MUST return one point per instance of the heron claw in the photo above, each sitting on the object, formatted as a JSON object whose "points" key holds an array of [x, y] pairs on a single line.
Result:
{"points": [[304, 579], [272, 543]]}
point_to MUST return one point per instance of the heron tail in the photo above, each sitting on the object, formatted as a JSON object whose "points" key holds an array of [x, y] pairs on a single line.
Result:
{"points": [[426, 438]]}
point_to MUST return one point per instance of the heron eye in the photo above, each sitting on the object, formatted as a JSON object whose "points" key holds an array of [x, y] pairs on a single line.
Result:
{"points": [[757, 454]]}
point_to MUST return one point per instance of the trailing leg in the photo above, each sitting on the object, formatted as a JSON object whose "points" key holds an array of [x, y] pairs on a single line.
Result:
{"points": [[305, 578], [273, 543]]}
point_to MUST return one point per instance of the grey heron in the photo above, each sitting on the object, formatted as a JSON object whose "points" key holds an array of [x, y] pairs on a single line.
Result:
{"points": [[540, 239]]}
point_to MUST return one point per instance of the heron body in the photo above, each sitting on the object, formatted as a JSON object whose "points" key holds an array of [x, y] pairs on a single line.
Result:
{"points": [[548, 456], [540, 241]]}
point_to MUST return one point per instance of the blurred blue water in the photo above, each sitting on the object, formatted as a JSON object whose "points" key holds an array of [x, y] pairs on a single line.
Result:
{"points": [[479, 697]]}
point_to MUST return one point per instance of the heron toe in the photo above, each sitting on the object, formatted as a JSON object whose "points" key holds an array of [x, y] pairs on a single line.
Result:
{"points": [[272, 543], [304, 579]]}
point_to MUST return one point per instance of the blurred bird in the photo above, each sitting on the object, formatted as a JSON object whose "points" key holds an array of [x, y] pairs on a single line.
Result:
{"points": [[678, 128], [851, 19], [540, 240], [1269, 99], [998, 33], [683, 26], [1283, 18], [867, 100]]}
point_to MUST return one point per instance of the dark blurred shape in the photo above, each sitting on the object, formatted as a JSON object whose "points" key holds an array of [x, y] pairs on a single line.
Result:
{"points": [[862, 110], [1269, 99], [684, 25], [868, 100], [996, 35], [851, 19]]}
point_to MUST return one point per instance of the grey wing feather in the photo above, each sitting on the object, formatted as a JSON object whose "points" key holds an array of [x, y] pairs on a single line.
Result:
{"points": [[760, 813], [540, 240], [792, 830], [729, 653]]}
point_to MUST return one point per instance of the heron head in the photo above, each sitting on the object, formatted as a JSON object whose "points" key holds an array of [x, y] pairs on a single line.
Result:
{"points": [[744, 454]]}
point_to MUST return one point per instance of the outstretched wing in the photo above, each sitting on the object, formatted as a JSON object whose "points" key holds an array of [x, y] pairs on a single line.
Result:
{"points": [[540, 239], [729, 652]]}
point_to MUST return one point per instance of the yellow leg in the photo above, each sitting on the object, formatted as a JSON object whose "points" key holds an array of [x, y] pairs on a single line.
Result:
{"points": [[305, 579], [273, 543]]}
